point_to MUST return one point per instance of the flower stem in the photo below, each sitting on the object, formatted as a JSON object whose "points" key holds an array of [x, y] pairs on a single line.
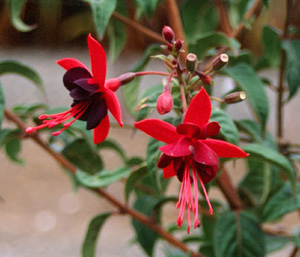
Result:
{"points": [[143, 73], [124, 208]]}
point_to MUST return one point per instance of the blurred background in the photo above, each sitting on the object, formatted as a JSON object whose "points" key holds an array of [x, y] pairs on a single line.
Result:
{"points": [[40, 214]]}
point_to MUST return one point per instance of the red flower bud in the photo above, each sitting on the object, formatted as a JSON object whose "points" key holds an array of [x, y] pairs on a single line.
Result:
{"points": [[178, 44], [168, 34], [164, 102], [235, 97], [206, 79]]}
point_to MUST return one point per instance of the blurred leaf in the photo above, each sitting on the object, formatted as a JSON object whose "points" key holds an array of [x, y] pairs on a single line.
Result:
{"points": [[281, 203], [2, 105], [133, 179], [131, 90], [117, 38], [272, 45], [102, 178], [292, 48], [24, 111], [145, 236], [90, 241], [147, 7], [212, 40], [15, 8], [75, 26], [198, 18], [8, 134], [275, 243], [102, 11], [244, 56], [249, 82], [228, 130], [9, 66], [113, 145], [256, 185], [266, 2], [83, 155], [238, 234], [267, 154], [13, 148], [174, 252]]}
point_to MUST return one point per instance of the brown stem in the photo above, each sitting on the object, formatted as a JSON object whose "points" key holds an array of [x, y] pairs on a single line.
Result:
{"points": [[175, 23], [281, 86], [294, 252], [224, 19], [137, 26], [226, 186], [136, 215]]}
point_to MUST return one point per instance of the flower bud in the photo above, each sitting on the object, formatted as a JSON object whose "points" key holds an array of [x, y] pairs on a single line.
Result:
{"points": [[220, 62], [178, 44], [206, 79], [168, 34], [164, 102], [191, 62], [235, 97], [114, 83], [127, 77]]}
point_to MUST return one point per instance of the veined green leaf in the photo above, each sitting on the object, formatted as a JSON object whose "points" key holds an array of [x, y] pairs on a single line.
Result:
{"points": [[281, 203], [292, 48], [102, 11], [228, 130], [90, 240], [267, 154], [113, 145], [238, 235], [15, 8], [147, 7], [275, 243], [2, 105], [13, 148], [249, 82], [212, 40], [102, 178], [272, 45], [10, 66], [131, 90]]}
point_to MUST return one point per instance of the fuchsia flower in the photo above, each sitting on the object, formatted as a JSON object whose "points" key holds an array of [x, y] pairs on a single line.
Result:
{"points": [[189, 153], [92, 95]]}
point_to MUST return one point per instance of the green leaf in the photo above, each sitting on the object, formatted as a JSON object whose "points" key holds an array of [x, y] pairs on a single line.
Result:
{"points": [[90, 241], [13, 148], [267, 154], [266, 2], [83, 155], [102, 11], [147, 7], [15, 8], [113, 145], [228, 130], [9, 66], [145, 236], [281, 203], [102, 178], [292, 48], [133, 179], [198, 18], [272, 45], [249, 82], [131, 90], [238, 235], [256, 185], [212, 40], [2, 105], [275, 243]]}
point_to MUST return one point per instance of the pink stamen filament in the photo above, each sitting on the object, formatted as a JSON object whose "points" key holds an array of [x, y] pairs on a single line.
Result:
{"points": [[58, 118], [206, 196]]}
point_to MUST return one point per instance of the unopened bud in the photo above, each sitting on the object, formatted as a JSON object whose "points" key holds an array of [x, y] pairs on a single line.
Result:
{"points": [[170, 47], [206, 79], [164, 102], [220, 62], [235, 97], [191, 62], [127, 77], [168, 34], [178, 44]]}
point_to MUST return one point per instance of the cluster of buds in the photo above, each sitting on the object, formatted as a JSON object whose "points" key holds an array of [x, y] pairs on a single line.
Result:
{"points": [[172, 46]]}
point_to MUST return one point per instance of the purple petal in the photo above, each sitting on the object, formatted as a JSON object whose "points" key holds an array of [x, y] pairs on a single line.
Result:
{"points": [[96, 112], [207, 173], [164, 161], [179, 166], [83, 83], [75, 74], [78, 93]]}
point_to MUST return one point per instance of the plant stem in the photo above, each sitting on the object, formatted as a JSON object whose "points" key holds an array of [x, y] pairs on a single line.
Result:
{"points": [[133, 213], [137, 26], [143, 73], [224, 19], [281, 86]]}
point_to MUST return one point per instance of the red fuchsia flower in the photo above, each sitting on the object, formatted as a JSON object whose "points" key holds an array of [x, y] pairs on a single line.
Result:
{"points": [[189, 153], [92, 95]]}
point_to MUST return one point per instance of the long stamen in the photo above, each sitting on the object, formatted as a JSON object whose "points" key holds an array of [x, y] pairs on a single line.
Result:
{"points": [[206, 196], [197, 222]]}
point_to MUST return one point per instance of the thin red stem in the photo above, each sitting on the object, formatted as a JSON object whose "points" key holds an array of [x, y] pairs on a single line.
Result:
{"points": [[143, 73]]}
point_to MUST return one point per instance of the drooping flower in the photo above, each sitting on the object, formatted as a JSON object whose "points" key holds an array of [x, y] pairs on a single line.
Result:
{"points": [[92, 95], [164, 103], [190, 153]]}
